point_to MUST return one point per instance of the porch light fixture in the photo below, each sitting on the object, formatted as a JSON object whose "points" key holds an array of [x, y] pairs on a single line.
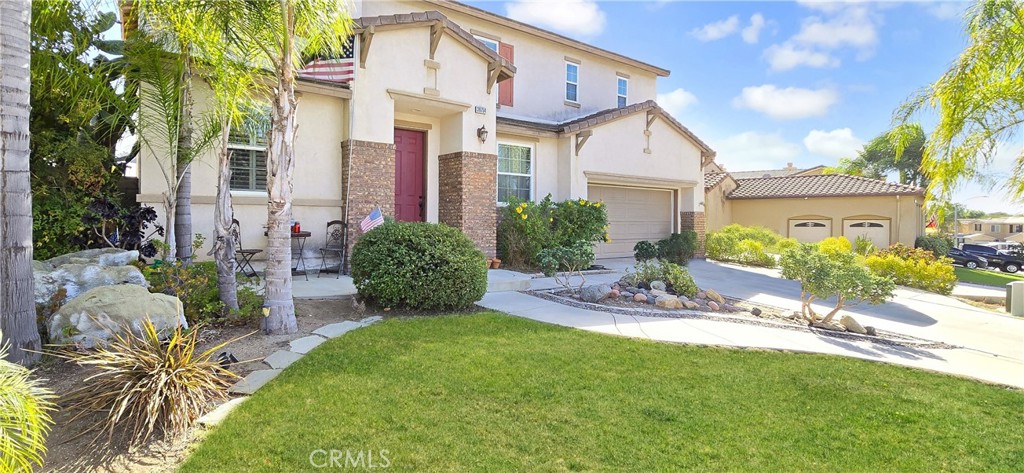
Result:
{"points": [[482, 133]]}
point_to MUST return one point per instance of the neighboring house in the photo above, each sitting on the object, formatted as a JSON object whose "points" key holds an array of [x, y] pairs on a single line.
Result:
{"points": [[444, 111], [976, 230], [816, 206], [789, 170]]}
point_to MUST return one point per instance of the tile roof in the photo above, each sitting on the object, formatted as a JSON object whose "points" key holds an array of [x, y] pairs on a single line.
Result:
{"points": [[713, 178], [822, 185], [604, 116], [764, 173]]}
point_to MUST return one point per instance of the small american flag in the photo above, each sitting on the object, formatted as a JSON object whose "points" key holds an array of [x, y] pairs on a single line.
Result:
{"points": [[372, 221], [339, 69]]}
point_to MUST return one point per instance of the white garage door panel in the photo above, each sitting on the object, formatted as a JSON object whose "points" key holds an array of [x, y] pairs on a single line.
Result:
{"points": [[810, 231], [633, 215], [875, 230]]}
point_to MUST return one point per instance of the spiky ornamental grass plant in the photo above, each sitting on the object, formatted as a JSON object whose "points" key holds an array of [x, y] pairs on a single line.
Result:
{"points": [[25, 407], [142, 385]]}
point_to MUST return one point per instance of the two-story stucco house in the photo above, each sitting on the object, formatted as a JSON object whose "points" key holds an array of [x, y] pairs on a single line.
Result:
{"points": [[444, 111], [980, 230]]}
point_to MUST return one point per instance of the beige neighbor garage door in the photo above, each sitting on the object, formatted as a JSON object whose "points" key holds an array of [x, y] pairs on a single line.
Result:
{"points": [[875, 230], [810, 230], [633, 215]]}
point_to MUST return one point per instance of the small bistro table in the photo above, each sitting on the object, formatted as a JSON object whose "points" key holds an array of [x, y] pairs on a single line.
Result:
{"points": [[300, 261]]}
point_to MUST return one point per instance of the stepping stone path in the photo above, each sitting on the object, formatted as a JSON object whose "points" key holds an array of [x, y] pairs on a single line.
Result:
{"points": [[281, 359]]}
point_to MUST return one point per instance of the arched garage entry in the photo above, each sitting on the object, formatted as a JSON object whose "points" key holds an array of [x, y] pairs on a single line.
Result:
{"points": [[874, 228], [810, 228]]}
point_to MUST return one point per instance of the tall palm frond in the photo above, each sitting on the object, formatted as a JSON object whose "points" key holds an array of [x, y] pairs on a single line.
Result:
{"points": [[25, 407]]}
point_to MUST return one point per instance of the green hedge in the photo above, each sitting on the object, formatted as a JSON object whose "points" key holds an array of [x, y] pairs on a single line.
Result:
{"points": [[419, 266], [753, 246], [527, 228]]}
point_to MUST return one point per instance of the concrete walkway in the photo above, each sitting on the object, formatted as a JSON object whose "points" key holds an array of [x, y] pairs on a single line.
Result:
{"points": [[992, 345]]}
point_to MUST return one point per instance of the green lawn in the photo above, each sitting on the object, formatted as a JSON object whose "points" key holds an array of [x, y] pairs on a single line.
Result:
{"points": [[986, 277], [490, 392]]}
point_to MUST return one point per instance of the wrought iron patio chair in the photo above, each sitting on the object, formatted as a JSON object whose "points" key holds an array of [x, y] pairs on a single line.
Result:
{"points": [[336, 243]]}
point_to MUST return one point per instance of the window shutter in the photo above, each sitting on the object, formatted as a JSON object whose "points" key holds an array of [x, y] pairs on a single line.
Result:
{"points": [[506, 88]]}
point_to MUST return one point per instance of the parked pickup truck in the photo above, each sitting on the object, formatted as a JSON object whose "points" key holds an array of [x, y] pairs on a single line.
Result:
{"points": [[1007, 263]]}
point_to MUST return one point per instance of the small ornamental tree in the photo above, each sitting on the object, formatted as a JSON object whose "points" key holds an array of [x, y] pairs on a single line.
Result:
{"points": [[832, 274]]}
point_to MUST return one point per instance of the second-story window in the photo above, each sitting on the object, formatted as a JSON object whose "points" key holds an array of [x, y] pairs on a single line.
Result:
{"points": [[977, 227], [623, 91], [1017, 229], [490, 43], [572, 81], [995, 228]]}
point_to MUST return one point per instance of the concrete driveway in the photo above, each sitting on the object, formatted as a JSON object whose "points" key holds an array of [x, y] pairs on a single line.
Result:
{"points": [[911, 312]]}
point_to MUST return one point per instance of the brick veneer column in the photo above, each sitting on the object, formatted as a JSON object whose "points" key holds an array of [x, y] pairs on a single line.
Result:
{"points": [[694, 221], [370, 184], [467, 189]]}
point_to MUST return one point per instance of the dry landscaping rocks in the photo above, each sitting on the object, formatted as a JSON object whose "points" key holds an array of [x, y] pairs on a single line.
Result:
{"points": [[852, 325], [96, 316]]}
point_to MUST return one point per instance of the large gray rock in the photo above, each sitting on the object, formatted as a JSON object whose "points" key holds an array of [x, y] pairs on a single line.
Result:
{"points": [[658, 285], [94, 317], [852, 325], [79, 272], [98, 257], [595, 293]]}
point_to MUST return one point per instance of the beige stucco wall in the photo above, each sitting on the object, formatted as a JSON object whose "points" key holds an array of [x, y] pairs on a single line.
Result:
{"points": [[317, 181], [1004, 229], [615, 154], [539, 90], [718, 209], [907, 219]]}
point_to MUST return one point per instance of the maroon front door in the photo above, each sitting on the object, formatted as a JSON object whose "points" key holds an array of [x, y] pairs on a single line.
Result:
{"points": [[409, 175]]}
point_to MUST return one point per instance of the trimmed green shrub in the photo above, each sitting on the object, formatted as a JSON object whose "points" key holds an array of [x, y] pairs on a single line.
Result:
{"points": [[674, 275], [576, 220], [418, 265], [746, 245], [644, 251], [938, 245], [196, 286], [679, 279], [678, 248], [914, 267], [525, 229]]}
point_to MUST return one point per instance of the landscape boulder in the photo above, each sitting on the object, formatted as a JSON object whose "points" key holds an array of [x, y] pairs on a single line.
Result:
{"points": [[76, 273], [595, 293], [755, 311], [658, 285], [691, 305], [639, 298], [713, 305], [94, 317], [852, 325], [715, 296], [668, 302]]}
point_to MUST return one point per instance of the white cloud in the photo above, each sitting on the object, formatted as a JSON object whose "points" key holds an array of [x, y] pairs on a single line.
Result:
{"points": [[835, 144], [717, 30], [946, 10], [786, 104], [753, 32], [572, 17], [753, 150], [786, 56], [854, 26], [676, 101]]}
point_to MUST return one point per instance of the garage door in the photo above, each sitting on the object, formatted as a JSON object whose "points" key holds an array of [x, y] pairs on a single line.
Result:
{"points": [[633, 215], [875, 230], [809, 230]]}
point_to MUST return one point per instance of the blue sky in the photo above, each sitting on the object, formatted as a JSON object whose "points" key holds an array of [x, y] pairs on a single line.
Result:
{"points": [[767, 83]]}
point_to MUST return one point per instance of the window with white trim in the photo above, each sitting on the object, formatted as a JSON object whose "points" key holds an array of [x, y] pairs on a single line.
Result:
{"points": [[1017, 229], [490, 43], [515, 172], [995, 228], [572, 81], [247, 147], [622, 91]]}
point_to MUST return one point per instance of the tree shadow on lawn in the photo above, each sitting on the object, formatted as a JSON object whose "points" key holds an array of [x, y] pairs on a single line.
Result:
{"points": [[880, 351]]}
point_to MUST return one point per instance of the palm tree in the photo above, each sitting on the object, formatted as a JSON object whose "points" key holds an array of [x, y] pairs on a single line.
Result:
{"points": [[25, 407], [17, 300], [272, 28]]}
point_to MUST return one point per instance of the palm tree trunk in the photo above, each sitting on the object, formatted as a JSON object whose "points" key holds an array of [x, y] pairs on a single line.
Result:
{"points": [[280, 166], [17, 287], [223, 244], [183, 207]]}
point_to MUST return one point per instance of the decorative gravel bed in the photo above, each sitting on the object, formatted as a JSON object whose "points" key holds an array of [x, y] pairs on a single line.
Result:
{"points": [[772, 317]]}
